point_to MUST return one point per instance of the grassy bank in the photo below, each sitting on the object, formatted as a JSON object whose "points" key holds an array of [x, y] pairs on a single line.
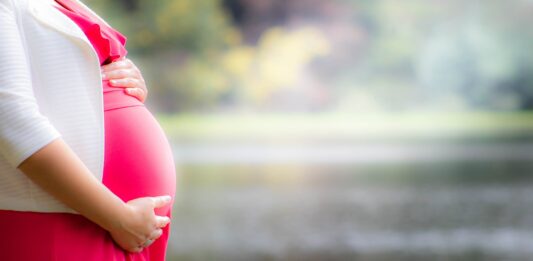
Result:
{"points": [[287, 128]]}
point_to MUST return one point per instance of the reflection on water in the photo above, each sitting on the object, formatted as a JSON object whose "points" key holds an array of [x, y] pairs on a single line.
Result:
{"points": [[349, 154], [447, 210]]}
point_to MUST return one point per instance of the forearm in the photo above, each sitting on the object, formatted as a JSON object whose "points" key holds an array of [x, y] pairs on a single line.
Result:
{"points": [[60, 172]]}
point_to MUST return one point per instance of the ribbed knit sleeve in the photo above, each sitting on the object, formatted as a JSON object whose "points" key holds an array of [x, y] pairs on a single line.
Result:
{"points": [[23, 129]]}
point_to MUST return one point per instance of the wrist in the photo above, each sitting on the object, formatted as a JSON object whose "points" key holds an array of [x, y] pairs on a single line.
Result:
{"points": [[115, 219]]}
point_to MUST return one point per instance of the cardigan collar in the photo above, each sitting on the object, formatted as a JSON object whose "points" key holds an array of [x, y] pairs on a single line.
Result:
{"points": [[46, 13]]}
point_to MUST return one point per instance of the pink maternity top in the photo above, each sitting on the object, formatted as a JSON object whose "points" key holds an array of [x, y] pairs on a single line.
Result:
{"points": [[138, 162], [108, 43]]}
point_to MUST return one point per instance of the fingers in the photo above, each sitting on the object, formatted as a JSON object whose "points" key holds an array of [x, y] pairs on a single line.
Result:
{"points": [[126, 82], [148, 241], [136, 249], [161, 221], [121, 63], [161, 201], [141, 226], [133, 87], [121, 73], [156, 234], [138, 93], [153, 237]]}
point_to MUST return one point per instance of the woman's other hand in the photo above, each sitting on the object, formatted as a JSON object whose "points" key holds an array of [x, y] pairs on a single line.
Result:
{"points": [[140, 226], [59, 171], [123, 73]]}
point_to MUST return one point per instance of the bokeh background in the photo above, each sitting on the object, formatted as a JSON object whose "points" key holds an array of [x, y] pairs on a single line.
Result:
{"points": [[342, 129]]}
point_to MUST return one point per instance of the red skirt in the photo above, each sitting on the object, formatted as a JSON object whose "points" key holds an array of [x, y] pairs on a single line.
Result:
{"points": [[138, 163]]}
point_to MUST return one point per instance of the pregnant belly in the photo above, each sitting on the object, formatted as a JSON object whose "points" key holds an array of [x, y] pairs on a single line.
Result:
{"points": [[138, 159]]}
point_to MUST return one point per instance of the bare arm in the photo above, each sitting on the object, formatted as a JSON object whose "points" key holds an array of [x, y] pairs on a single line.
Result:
{"points": [[29, 142], [59, 171]]}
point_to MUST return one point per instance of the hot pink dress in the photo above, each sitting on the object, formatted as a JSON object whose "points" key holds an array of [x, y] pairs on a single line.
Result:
{"points": [[138, 163]]}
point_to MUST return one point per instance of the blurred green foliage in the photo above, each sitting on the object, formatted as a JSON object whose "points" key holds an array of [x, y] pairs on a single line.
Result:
{"points": [[176, 44], [349, 55], [463, 55]]}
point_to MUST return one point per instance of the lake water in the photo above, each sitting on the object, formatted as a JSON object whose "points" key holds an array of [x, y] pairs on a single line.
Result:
{"points": [[475, 204]]}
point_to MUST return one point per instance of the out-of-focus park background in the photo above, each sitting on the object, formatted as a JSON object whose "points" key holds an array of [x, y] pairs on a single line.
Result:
{"points": [[342, 129]]}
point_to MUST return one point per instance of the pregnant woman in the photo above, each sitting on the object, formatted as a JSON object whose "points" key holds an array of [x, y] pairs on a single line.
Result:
{"points": [[86, 172]]}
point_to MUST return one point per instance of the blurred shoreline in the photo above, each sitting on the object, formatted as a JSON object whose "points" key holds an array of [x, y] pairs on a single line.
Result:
{"points": [[287, 128], [411, 186]]}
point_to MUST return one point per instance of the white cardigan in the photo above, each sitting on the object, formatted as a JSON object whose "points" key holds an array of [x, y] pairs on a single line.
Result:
{"points": [[50, 87]]}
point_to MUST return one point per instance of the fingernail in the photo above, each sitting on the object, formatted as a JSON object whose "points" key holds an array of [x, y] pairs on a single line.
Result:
{"points": [[104, 76]]}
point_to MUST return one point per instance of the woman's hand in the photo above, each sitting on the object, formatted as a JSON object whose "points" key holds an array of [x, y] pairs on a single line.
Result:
{"points": [[139, 226], [123, 73]]}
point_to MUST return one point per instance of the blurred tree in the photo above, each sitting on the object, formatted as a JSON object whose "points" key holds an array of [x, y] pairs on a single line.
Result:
{"points": [[212, 54], [176, 43], [474, 57]]}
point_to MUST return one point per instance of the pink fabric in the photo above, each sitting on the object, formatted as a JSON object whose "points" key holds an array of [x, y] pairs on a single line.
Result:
{"points": [[109, 43], [138, 162]]}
